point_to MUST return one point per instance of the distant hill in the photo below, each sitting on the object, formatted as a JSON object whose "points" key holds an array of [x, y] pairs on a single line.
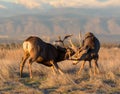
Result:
{"points": [[60, 22]]}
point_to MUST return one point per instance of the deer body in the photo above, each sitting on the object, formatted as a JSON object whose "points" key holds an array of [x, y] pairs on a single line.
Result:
{"points": [[88, 52], [41, 52]]}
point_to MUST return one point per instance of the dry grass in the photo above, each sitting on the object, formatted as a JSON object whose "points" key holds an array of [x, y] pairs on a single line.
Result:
{"points": [[45, 82]]}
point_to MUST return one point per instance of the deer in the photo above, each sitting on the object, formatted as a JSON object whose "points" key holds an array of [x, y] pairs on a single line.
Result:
{"points": [[88, 52], [69, 49], [37, 50]]}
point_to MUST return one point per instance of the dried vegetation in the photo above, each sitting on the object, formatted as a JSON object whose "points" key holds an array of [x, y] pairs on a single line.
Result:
{"points": [[45, 82]]}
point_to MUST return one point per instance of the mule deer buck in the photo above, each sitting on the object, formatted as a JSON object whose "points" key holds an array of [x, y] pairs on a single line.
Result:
{"points": [[43, 53], [88, 52], [69, 50]]}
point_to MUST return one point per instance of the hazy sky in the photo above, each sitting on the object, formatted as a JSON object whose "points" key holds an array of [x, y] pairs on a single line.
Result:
{"points": [[66, 3]]}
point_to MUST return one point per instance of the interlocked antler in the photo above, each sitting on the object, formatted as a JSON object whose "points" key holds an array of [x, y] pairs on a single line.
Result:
{"points": [[62, 41], [73, 47]]}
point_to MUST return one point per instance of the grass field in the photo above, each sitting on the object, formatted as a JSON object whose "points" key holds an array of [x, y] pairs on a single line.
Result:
{"points": [[45, 82]]}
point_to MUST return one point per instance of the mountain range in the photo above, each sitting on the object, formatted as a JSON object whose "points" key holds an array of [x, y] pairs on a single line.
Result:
{"points": [[18, 22]]}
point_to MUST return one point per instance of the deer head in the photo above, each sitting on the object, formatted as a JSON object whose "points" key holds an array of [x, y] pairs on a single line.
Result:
{"points": [[69, 50]]}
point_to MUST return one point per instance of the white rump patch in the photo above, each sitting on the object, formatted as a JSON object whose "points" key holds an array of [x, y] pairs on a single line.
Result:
{"points": [[27, 46]]}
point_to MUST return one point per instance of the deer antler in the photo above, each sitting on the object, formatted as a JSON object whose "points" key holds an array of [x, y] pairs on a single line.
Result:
{"points": [[80, 39], [72, 45], [62, 41], [67, 36]]}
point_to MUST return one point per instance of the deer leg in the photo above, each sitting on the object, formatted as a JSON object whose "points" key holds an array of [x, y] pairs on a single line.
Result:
{"points": [[57, 67], [90, 70], [22, 63], [53, 69], [81, 67], [96, 67], [30, 67], [60, 71]]}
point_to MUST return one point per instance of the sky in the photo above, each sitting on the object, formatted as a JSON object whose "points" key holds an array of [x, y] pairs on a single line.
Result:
{"points": [[30, 4]]}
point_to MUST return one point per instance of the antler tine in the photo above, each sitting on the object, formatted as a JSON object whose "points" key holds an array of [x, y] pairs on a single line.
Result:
{"points": [[62, 41], [59, 40], [72, 45], [67, 36], [59, 37], [80, 38]]}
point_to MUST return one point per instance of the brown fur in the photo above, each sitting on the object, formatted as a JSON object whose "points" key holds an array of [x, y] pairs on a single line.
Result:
{"points": [[88, 51], [42, 53]]}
